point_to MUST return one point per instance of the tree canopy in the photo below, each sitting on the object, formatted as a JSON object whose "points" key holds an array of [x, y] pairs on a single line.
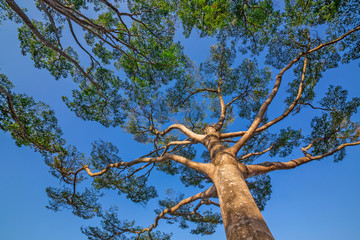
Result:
{"points": [[131, 72]]}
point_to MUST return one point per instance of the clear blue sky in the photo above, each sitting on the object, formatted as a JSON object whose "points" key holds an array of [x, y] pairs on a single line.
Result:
{"points": [[319, 200]]}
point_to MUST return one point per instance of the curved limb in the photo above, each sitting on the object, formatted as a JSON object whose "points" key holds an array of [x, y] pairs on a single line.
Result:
{"points": [[266, 167]]}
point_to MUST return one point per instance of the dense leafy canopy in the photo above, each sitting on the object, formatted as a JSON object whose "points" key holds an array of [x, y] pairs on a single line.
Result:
{"points": [[131, 72]]}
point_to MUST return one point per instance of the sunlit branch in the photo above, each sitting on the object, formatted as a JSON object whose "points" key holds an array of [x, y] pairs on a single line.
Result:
{"points": [[256, 153], [293, 104], [333, 41], [185, 130], [176, 143], [262, 168], [201, 167], [222, 116], [195, 209], [209, 193], [236, 147]]}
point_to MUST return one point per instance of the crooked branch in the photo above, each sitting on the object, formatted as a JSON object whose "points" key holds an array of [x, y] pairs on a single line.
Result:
{"points": [[201, 167], [209, 193], [181, 127]]}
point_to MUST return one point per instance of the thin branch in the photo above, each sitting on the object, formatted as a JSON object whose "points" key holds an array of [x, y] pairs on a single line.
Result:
{"points": [[77, 41], [235, 148], [318, 108], [181, 127], [193, 93], [256, 153], [43, 7], [36, 32], [16, 118]]}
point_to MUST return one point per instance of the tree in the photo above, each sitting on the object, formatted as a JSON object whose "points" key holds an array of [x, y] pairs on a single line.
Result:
{"points": [[138, 78]]}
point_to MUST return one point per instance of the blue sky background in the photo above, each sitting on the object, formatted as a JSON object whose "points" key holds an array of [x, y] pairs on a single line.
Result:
{"points": [[319, 200]]}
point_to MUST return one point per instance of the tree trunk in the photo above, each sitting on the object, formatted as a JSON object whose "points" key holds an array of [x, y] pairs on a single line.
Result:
{"points": [[241, 216]]}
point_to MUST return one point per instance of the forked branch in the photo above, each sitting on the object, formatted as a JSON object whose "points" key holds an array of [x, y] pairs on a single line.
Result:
{"points": [[254, 126]]}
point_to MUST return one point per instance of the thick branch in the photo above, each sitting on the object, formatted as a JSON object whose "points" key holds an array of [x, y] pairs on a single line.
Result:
{"points": [[262, 168], [293, 104]]}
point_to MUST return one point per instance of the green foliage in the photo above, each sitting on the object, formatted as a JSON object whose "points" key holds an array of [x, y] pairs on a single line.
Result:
{"points": [[335, 126], [30, 123], [286, 140], [111, 225], [243, 18], [131, 72], [43, 56], [134, 187], [260, 188], [83, 204]]}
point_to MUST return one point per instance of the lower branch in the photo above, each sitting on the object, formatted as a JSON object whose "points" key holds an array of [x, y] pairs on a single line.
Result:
{"points": [[209, 193]]}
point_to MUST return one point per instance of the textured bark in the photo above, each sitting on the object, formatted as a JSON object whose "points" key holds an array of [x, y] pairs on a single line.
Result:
{"points": [[241, 216]]}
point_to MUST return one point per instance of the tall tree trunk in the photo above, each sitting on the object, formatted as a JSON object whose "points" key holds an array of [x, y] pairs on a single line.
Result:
{"points": [[241, 216]]}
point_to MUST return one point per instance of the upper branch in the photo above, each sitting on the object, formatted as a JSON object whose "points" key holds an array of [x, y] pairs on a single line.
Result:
{"points": [[253, 127], [247, 135], [185, 130], [36, 32], [221, 120]]}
